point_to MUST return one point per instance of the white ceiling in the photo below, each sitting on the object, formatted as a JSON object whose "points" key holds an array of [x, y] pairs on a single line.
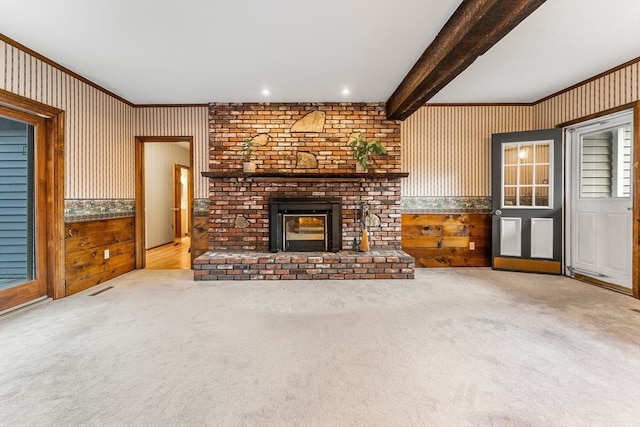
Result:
{"points": [[200, 51]]}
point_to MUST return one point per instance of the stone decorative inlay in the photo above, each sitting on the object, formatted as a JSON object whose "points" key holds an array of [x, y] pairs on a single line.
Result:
{"points": [[261, 139], [201, 207], [242, 222], [312, 122], [372, 220], [307, 161], [422, 204], [76, 210]]}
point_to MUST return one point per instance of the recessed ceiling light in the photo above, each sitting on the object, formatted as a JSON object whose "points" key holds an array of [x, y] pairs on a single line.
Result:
{"points": [[266, 91], [346, 91]]}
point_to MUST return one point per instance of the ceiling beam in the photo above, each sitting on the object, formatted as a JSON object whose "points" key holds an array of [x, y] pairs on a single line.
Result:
{"points": [[472, 29]]}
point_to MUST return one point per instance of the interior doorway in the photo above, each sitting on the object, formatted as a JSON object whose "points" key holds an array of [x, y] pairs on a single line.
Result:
{"points": [[164, 199], [599, 201], [174, 255]]}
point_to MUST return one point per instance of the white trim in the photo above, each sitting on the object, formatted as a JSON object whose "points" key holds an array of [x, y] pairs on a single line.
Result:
{"points": [[611, 120]]}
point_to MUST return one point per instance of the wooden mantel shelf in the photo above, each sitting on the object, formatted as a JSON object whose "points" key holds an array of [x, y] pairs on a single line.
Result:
{"points": [[275, 175]]}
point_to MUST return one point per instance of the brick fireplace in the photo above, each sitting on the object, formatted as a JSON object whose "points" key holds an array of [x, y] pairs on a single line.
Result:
{"points": [[302, 153]]}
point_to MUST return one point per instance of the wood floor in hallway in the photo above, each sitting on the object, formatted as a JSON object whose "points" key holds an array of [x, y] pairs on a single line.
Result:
{"points": [[172, 256]]}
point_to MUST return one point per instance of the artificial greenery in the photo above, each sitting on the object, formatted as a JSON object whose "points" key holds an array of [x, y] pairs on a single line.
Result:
{"points": [[246, 148], [362, 149]]}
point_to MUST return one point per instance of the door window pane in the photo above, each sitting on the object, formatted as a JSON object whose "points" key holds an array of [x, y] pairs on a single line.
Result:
{"points": [[526, 178], [511, 175], [526, 196], [542, 174], [541, 196], [526, 175], [605, 163], [525, 154], [542, 153], [510, 155], [510, 196]]}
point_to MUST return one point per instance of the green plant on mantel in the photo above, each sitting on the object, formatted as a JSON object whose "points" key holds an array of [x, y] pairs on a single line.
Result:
{"points": [[362, 149], [246, 148]]}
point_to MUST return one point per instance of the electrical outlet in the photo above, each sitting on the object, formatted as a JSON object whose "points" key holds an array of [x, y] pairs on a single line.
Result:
{"points": [[472, 246], [106, 254]]}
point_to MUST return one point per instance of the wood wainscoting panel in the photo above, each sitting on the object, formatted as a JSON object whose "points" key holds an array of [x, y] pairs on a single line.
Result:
{"points": [[199, 236], [85, 245], [443, 240]]}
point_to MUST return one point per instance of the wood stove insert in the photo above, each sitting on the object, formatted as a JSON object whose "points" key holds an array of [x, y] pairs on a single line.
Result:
{"points": [[305, 225]]}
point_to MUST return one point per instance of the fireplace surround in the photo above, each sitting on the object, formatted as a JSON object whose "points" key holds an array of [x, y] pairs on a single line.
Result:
{"points": [[302, 153], [305, 224]]}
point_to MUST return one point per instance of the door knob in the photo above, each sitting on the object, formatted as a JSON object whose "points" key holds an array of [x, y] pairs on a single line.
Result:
{"points": [[498, 212]]}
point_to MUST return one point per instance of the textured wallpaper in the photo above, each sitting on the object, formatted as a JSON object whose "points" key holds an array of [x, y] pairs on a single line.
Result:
{"points": [[446, 149], [100, 129]]}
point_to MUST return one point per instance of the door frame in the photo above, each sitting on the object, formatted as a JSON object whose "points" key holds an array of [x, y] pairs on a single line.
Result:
{"points": [[53, 211], [140, 221], [178, 232], [635, 178], [36, 287], [572, 185]]}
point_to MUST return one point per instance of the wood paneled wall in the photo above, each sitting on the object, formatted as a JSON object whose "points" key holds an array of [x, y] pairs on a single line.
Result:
{"points": [[199, 236], [99, 161], [446, 149], [443, 240], [180, 121], [85, 245]]}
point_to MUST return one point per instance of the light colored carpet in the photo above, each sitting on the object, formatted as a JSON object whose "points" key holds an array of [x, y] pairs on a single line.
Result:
{"points": [[454, 347]]}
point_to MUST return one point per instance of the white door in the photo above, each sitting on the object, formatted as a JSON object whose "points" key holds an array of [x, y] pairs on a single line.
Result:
{"points": [[601, 205]]}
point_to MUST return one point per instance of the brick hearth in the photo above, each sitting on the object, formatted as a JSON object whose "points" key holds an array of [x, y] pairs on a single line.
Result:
{"points": [[375, 264]]}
